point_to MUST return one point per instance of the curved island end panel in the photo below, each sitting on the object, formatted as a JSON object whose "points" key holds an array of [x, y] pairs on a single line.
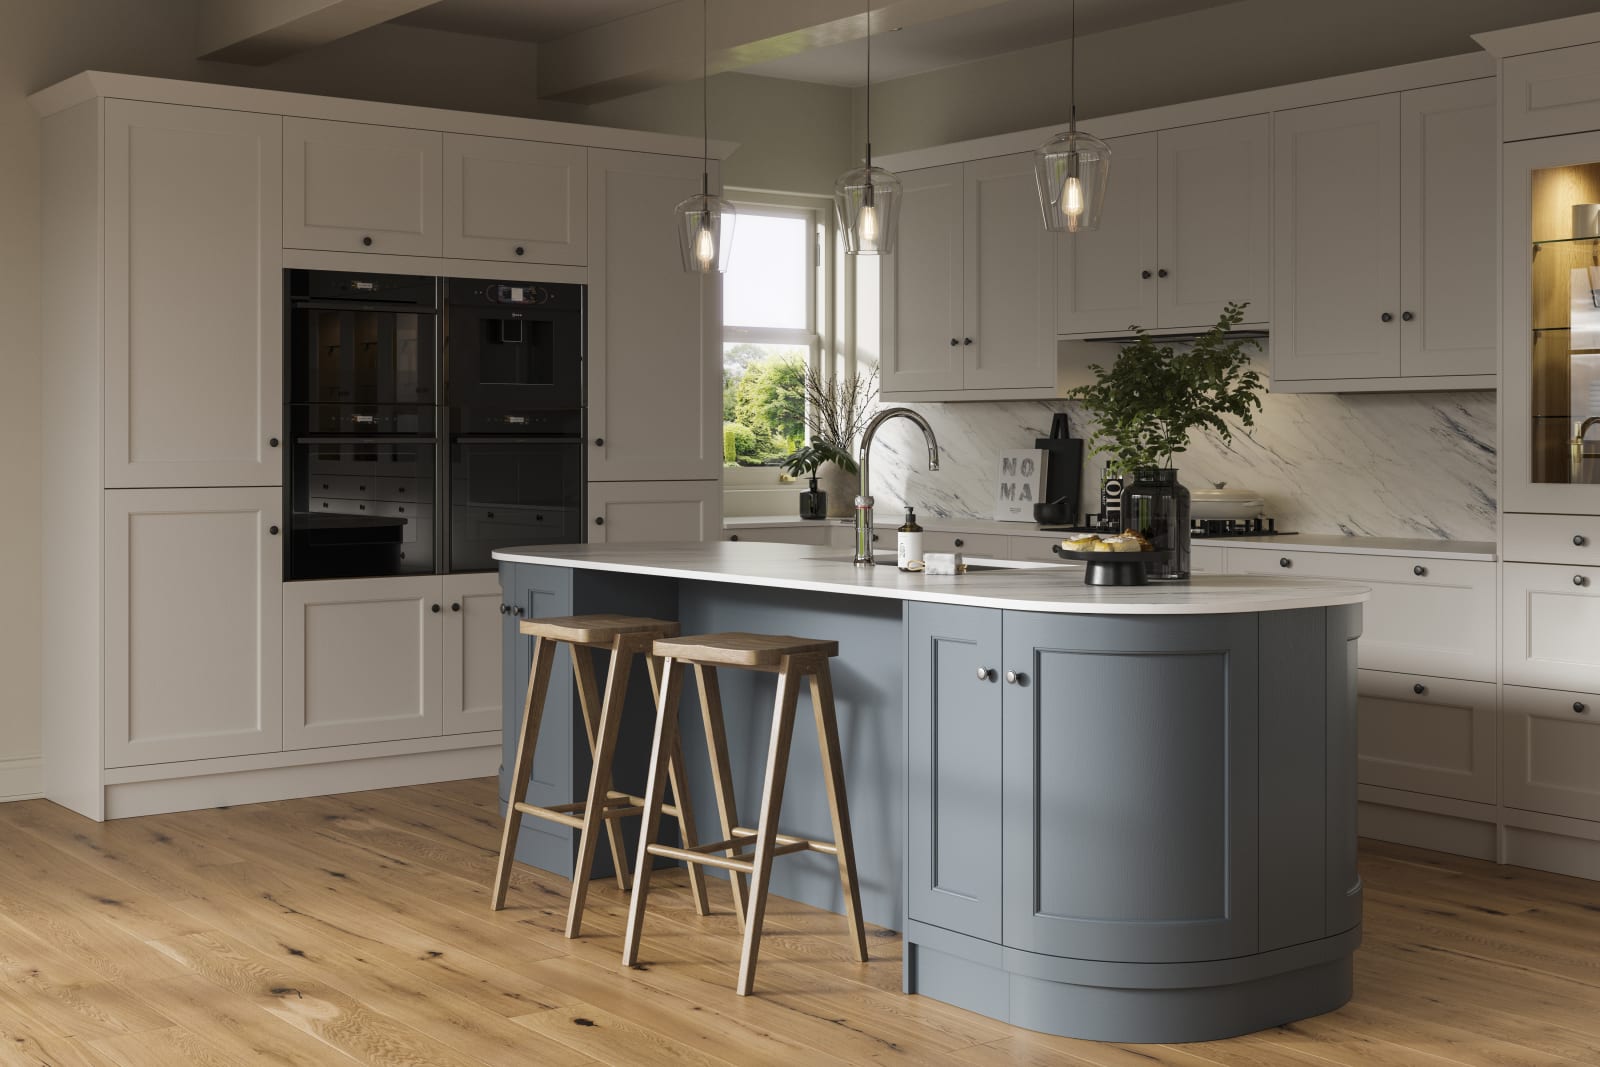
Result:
{"points": [[1117, 813]]}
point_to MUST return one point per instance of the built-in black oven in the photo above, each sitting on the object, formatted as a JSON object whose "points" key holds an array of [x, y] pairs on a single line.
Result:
{"points": [[363, 421]]}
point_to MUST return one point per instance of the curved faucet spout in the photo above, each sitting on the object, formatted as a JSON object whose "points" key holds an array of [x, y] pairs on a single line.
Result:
{"points": [[864, 501]]}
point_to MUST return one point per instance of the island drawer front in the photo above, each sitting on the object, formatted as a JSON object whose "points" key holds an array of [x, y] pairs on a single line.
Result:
{"points": [[1552, 617], [1552, 751], [971, 546], [1552, 539], [1439, 741], [1439, 622]]}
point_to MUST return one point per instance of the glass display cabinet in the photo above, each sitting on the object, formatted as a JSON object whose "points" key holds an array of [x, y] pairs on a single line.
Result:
{"points": [[1551, 374]]}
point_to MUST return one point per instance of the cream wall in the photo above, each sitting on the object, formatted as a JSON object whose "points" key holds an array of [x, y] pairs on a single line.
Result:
{"points": [[43, 41]]}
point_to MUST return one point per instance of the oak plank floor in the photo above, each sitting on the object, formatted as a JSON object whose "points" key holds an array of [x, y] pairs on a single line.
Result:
{"points": [[356, 929]]}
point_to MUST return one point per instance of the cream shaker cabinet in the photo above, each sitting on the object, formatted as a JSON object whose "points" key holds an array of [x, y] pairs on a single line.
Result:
{"points": [[621, 512], [1552, 751], [1184, 232], [1384, 238], [471, 664], [655, 365], [191, 602], [351, 187], [518, 201], [969, 300], [193, 335]]}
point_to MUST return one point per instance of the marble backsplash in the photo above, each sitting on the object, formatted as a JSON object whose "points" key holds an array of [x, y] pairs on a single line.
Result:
{"points": [[1368, 464]]}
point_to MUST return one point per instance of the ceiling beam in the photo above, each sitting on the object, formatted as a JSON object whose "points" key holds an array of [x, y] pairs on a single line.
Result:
{"points": [[258, 32], [662, 45]]}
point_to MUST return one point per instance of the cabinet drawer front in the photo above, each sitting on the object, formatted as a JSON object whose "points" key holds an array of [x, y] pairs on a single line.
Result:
{"points": [[1207, 559], [816, 534], [1439, 741], [350, 187], [1552, 539], [1552, 615], [1552, 751], [1439, 622], [971, 546], [1550, 93]]}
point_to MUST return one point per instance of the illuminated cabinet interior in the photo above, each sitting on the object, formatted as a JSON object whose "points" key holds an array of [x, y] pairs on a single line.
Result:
{"points": [[1565, 313]]}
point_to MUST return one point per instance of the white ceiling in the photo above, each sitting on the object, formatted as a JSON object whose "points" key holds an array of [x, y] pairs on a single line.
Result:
{"points": [[525, 20], [1006, 27]]}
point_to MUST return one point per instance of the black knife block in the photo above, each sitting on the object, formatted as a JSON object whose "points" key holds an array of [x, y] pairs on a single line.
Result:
{"points": [[1063, 471]]}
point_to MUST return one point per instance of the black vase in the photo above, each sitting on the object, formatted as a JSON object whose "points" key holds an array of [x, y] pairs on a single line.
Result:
{"points": [[1157, 507], [813, 502]]}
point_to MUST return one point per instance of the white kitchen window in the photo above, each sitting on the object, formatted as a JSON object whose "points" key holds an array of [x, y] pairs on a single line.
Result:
{"points": [[770, 328]]}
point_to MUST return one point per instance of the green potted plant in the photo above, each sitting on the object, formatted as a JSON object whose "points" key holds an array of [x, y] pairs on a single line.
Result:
{"points": [[838, 408], [1145, 406]]}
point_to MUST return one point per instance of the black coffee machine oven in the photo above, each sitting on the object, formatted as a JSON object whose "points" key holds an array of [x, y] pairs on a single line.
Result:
{"points": [[430, 422]]}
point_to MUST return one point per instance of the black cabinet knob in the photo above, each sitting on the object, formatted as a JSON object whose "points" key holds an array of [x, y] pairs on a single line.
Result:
{"points": [[519, 250], [1419, 689], [1578, 579], [273, 530], [1406, 316], [599, 442], [272, 442], [436, 609], [367, 241], [1285, 562], [966, 340], [599, 520], [455, 607], [954, 342], [874, 537], [1162, 273], [1386, 317], [959, 542], [489, 515], [1420, 571], [735, 537], [1579, 706], [1144, 274], [1579, 540]]}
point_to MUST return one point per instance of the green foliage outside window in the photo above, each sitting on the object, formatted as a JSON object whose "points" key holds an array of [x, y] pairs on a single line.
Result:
{"points": [[763, 403]]}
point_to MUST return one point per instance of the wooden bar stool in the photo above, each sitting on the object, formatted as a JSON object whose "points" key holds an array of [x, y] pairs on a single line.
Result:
{"points": [[625, 637], [793, 659]]}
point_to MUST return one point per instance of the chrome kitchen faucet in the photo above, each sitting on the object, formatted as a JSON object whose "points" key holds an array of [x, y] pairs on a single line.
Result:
{"points": [[864, 501]]}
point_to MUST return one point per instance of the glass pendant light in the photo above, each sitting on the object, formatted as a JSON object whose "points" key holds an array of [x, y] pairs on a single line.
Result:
{"points": [[705, 222], [867, 199], [1071, 167]]}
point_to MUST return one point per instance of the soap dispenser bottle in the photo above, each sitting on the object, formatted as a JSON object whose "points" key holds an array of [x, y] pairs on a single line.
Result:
{"points": [[909, 543]]}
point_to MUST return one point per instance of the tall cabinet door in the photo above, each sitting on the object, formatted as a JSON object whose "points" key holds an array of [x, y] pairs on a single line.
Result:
{"points": [[520, 201], [1449, 285], [193, 296], [922, 282], [1010, 279], [956, 776], [351, 187], [192, 654], [1336, 260], [1215, 220], [655, 369], [472, 673], [1080, 712], [1106, 277], [361, 661]]}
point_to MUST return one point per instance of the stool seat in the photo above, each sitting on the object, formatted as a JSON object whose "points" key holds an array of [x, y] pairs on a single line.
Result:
{"points": [[741, 649], [595, 630]]}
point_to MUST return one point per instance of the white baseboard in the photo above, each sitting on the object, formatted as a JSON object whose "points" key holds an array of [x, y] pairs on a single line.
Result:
{"points": [[21, 779]]}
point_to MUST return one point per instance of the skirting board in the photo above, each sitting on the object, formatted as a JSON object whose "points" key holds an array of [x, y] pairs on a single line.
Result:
{"points": [[21, 779], [309, 780]]}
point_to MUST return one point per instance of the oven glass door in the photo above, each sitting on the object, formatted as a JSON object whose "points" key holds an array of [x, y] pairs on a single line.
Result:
{"points": [[508, 491], [362, 506], [362, 356]]}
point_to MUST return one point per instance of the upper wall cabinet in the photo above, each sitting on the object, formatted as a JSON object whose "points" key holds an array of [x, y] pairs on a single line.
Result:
{"points": [[1184, 232], [1385, 242], [518, 201], [1550, 93], [969, 295], [655, 370], [193, 340], [350, 187]]}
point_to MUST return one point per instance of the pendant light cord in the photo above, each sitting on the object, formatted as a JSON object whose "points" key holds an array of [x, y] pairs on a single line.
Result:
{"points": [[705, 97], [869, 90], [1072, 78]]}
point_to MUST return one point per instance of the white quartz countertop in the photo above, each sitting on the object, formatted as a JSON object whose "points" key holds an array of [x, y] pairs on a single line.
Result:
{"points": [[1428, 548], [1011, 584]]}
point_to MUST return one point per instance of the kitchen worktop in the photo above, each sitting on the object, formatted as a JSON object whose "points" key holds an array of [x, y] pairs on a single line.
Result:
{"points": [[1026, 586], [1429, 548]]}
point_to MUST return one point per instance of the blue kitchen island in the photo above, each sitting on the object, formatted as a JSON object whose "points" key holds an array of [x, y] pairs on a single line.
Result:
{"points": [[1116, 813]]}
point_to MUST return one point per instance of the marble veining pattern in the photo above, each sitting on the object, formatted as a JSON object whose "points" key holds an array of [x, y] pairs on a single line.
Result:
{"points": [[1416, 465]]}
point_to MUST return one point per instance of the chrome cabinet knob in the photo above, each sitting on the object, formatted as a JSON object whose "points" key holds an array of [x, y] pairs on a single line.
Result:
{"points": [[1578, 579], [985, 674], [505, 609], [1016, 678]]}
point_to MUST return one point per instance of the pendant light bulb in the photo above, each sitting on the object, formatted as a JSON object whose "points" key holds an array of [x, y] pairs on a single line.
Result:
{"points": [[1071, 168], [866, 200], [705, 222]]}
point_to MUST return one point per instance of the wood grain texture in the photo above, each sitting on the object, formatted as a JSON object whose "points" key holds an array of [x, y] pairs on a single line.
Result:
{"points": [[351, 929]]}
